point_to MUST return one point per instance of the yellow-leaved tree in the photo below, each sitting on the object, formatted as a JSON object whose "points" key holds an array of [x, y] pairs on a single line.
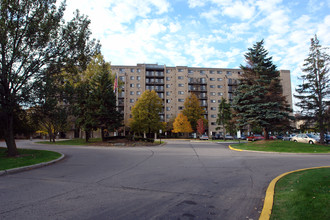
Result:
{"points": [[181, 124]]}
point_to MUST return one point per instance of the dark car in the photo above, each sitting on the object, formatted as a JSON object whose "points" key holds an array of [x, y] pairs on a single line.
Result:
{"points": [[255, 137], [327, 138], [217, 137]]}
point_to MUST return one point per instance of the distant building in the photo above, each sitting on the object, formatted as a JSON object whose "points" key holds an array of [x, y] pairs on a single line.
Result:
{"points": [[173, 85]]}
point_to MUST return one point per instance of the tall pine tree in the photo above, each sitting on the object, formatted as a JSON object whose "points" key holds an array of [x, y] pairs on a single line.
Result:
{"points": [[314, 92], [259, 99]]}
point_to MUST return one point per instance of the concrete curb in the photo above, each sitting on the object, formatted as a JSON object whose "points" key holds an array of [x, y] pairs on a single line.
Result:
{"points": [[30, 167], [269, 198]]}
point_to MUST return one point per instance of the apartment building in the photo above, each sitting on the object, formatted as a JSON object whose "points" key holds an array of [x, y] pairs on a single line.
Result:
{"points": [[174, 84]]}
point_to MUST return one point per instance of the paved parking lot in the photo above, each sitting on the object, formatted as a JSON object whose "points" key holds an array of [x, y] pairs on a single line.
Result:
{"points": [[180, 180]]}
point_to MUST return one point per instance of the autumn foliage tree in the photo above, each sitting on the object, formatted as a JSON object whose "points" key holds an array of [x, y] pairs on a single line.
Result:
{"points": [[181, 124], [200, 126], [193, 110]]}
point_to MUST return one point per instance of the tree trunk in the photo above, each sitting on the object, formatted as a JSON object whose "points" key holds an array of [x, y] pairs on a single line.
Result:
{"points": [[266, 135], [10, 136], [102, 134], [86, 136]]}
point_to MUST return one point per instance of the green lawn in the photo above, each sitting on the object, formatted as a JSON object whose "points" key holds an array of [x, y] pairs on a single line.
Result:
{"points": [[26, 157], [303, 195], [77, 141], [282, 146]]}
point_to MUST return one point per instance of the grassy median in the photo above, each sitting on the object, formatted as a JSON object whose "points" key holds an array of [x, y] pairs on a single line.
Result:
{"points": [[76, 141], [25, 158], [282, 146], [303, 195]]}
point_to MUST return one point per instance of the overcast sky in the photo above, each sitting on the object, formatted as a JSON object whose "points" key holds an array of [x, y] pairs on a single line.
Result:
{"points": [[205, 33]]}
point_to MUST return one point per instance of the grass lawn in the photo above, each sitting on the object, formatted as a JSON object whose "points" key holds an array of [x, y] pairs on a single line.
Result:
{"points": [[303, 195], [282, 146], [26, 157], [77, 141]]}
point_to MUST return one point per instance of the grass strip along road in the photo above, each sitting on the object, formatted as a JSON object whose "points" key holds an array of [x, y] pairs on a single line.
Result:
{"points": [[25, 158], [303, 195], [282, 147]]}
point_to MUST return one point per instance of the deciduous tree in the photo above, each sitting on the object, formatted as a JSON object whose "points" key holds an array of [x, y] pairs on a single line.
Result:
{"points": [[145, 113], [181, 124], [224, 116], [193, 110], [200, 126], [34, 41], [314, 93]]}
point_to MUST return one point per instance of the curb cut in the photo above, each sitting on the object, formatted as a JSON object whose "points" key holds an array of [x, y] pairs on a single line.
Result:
{"points": [[269, 198], [30, 167]]}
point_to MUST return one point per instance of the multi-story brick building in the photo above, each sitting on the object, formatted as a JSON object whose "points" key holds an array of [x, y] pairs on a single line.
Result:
{"points": [[173, 85]]}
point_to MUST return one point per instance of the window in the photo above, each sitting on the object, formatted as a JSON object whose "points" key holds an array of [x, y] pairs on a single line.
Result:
{"points": [[132, 70], [213, 108], [180, 100], [167, 78], [180, 70], [181, 92], [121, 70], [180, 107], [211, 72], [132, 77], [168, 71], [138, 78], [168, 93], [168, 85], [212, 101], [168, 101], [220, 94], [180, 77], [181, 85], [168, 116], [131, 93], [213, 123], [138, 70], [219, 101], [228, 72], [168, 108], [190, 71], [219, 79], [212, 93], [138, 93], [219, 72], [138, 85], [122, 78], [131, 85], [212, 86], [213, 116], [202, 71], [212, 79], [219, 86], [131, 100]]}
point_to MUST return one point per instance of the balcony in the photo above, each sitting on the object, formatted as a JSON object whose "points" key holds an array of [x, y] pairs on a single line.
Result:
{"points": [[155, 74], [197, 81], [197, 88]]}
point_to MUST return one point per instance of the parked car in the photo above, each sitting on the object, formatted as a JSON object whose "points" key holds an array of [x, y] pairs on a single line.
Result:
{"points": [[203, 137], [255, 137], [229, 137], [217, 137], [243, 137], [327, 138], [288, 137], [272, 137], [306, 138]]}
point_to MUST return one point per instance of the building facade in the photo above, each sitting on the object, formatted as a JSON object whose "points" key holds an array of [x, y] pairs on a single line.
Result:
{"points": [[174, 84]]}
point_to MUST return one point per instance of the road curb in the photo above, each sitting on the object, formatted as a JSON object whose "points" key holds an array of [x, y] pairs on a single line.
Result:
{"points": [[30, 167], [231, 148], [269, 198]]}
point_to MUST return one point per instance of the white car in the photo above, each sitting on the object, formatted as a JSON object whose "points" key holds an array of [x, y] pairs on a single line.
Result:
{"points": [[203, 137], [306, 138]]}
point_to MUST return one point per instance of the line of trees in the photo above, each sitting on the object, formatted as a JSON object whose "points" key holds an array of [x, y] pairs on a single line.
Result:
{"points": [[44, 64]]}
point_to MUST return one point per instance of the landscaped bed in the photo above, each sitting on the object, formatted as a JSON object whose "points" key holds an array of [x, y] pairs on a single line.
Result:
{"points": [[282, 146], [99, 142], [303, 195], [26, 157]]}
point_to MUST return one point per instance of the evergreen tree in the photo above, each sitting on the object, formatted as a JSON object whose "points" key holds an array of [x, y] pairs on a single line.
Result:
{"points": [[259, 100], [314, 92], [145, 113], [224, 116], [193, 110]]}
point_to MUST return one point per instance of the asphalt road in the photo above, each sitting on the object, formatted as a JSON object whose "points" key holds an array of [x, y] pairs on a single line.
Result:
{"points": [[180, 180]]}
